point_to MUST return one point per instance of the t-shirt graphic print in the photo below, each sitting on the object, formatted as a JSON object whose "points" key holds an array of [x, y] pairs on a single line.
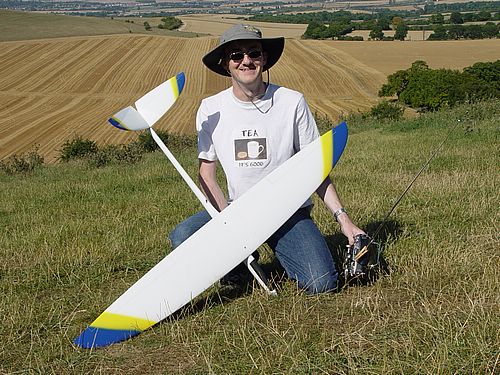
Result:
{"points": [[250, 152]]}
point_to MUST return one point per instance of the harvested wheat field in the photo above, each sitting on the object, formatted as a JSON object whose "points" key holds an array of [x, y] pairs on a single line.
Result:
{"points": [[388, 57], [53, 90], [216, 24]]}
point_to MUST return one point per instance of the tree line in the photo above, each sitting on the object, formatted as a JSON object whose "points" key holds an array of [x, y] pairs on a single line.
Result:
{"points": [[432, 89], [455, 32], [336, 25], [491, 6]]}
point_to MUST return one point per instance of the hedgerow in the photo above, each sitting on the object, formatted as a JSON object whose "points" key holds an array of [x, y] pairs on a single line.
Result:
{"points": [[22, 164]]}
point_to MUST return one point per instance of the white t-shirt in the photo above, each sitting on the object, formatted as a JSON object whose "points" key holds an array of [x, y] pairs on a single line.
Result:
{"points": [[250, 144]]}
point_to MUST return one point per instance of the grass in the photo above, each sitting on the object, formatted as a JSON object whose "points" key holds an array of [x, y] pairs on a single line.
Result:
{"points": [[74, 238], [25, 26]]}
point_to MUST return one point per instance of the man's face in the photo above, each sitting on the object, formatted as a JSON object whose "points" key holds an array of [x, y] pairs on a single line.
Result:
{"points": [[245, 61]]}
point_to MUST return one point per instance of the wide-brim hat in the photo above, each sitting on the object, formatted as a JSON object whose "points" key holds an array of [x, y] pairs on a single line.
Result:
{"points": [[273, 47]]}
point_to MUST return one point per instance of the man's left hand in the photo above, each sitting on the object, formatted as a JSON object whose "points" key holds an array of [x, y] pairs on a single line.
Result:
{"points": [[348, 228]]}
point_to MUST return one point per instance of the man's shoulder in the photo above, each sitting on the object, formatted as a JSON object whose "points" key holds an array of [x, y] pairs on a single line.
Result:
{"points": [[286, 92], [216, 98]]}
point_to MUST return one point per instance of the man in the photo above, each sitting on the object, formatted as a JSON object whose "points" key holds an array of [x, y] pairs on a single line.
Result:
{"points": [[252, 128]]}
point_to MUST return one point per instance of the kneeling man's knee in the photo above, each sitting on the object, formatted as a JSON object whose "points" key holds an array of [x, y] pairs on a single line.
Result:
{"points": [[178, 235], [321, 284]]}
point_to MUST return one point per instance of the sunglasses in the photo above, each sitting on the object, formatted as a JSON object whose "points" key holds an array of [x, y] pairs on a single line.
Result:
{"points": [[240, 55]]}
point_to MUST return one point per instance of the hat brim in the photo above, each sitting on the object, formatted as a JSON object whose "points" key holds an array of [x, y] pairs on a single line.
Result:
{"points": [[273, 47]]}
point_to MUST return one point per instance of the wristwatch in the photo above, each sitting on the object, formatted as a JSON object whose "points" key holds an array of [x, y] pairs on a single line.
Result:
{"points": [[337, 213]]}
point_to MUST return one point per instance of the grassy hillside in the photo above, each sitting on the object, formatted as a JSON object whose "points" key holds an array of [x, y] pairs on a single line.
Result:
{"points": [[73, 238], [26, 26]]}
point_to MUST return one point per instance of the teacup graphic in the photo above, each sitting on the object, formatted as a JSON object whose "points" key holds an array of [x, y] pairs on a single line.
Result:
{"points": [[254, 149]]}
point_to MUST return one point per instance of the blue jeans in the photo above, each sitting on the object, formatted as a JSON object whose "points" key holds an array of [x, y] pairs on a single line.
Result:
{"points": [[298, 245]]}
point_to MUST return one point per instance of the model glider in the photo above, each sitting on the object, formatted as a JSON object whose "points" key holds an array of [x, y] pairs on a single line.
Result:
{"points": [[150, 108], [224, 242]]}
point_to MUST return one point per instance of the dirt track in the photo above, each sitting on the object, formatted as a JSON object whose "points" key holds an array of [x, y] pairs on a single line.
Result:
{"points": [[52, 90]]}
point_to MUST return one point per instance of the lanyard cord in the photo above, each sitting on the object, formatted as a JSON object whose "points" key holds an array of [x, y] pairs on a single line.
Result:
{"points": [[259, 96]]}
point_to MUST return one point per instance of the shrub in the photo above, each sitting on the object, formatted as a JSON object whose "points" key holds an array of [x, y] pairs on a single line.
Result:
{"points": [[173, 141], [356, 38], [387, 110], [433, 89], [25, 163], [171, 23], [77, 148], [181, 142], [146, 141], [129, 153]]}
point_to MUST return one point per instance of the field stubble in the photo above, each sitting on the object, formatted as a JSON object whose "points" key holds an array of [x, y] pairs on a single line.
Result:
{"points": [[216, 24], [52, 90]]}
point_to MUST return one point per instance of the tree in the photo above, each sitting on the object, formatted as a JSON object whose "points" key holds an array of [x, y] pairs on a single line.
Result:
{"points": [[315, 30], [456, 18], [336, 29], [377, 33], [396, 84], [483, 16], [473, 32], [147, 26], [490, 30], [418, 66], [440, 33], [488, 72], [468, 17], [456, 32], [437, 18], [401, 32], [396, 21], [383, 23], [429, 89], [171, 23]]}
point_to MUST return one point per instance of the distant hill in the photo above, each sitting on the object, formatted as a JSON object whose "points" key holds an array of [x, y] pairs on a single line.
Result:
{"points": [[25, 26]]}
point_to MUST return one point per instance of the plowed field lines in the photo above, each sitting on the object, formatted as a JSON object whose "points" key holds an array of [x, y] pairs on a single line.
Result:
{"points": [[332, 82], [53, 90], [10, 105], [388, 57]]}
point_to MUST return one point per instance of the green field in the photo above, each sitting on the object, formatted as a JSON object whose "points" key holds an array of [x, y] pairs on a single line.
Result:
{"points": [[73, 238], [26, 26]]}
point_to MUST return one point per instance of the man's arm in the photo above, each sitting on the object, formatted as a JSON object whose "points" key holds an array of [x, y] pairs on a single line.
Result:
{"points": [[328, 194], [208, 181]]}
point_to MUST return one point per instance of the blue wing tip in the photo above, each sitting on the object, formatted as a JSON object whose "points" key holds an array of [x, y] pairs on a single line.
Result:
{"points": [[181, 79], [116, 124], [101, 337], [341, 130], [340, 134]]}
